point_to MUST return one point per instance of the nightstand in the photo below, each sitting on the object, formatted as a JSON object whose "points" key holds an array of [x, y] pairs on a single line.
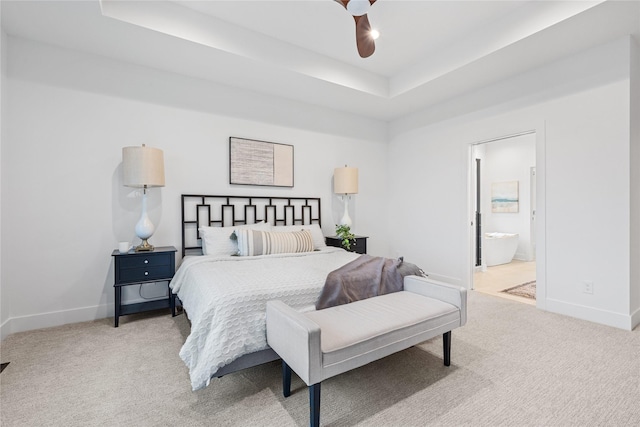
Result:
{"points": [[359, 246], [135, 268]]}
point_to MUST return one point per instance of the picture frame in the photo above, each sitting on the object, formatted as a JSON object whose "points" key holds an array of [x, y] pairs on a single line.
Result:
{"points": [[262, 163], [504, 197]]}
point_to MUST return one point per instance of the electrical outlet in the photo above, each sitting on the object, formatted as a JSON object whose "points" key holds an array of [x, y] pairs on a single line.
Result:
{"points": [[587, 287]]}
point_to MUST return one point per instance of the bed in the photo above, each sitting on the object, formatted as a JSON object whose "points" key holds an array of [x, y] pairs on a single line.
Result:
{"points": [[225, 295]]}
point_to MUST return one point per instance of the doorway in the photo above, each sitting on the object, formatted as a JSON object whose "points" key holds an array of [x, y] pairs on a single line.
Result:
{"points": [[504, 201]]}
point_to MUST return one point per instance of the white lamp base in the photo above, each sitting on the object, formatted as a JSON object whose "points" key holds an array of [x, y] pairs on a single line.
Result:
{"points": [[346, 219], [144, 227]]}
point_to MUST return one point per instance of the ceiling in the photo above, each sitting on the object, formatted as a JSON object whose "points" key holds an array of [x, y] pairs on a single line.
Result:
{"points": [[410, 29], [304, 50]]}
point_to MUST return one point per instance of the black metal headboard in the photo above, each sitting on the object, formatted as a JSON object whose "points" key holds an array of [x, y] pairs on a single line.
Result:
{"points": [[222, 211]]}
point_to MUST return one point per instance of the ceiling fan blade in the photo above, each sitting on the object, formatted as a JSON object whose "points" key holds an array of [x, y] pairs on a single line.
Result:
{"points": [[364, 41]]}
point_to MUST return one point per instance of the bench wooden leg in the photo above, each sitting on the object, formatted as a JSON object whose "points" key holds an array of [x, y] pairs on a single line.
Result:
{"points": [[286, 379], [446, 346], [314, 405]]}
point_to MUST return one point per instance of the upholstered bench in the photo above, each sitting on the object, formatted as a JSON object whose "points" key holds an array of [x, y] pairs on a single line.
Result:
{"points": [[321, 344]]}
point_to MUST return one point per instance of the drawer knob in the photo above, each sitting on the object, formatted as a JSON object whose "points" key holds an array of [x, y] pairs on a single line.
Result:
{"points": [[146, 273], [146, 261]]}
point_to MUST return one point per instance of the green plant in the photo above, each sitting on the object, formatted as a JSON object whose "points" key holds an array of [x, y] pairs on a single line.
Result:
{"points": [[344, 233]]}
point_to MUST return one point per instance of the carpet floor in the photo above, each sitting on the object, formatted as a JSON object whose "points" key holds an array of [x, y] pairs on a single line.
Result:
{"points": [[511, 365]]}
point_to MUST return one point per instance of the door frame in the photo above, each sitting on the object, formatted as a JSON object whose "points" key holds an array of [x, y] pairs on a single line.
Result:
{"points": [[540, 234]]}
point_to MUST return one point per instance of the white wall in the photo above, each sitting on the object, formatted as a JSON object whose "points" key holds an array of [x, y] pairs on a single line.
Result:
{"points": [[581, 119], [67, 115], [64, 207], [510, 160], [4, 294], [635, 181]]}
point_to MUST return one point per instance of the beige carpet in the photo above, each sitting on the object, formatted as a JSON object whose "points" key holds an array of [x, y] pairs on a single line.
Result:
{"points": [[512, 365]]}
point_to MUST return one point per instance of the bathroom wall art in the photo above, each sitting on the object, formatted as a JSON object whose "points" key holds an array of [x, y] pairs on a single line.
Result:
{"points": [[504, 197]]}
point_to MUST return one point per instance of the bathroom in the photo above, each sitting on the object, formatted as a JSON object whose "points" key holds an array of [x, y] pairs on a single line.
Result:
{"points": [[504, 189]]}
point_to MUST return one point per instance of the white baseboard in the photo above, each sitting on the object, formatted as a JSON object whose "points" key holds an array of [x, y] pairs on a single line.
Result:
{"points": [[446, 279], [635, 318], [5, 329], [522, 257], [604, 317], [55, 318]]}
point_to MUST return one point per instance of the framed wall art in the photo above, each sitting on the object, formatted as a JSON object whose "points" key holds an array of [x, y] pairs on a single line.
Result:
{"points": [[504, 197], [253, 162]]}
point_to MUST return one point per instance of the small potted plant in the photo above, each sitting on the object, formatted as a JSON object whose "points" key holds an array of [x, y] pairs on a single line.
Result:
{"points": [[345, 234]]}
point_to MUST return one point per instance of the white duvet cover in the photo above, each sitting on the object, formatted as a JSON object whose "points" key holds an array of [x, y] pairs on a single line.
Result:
{"points": [[225, 298]]}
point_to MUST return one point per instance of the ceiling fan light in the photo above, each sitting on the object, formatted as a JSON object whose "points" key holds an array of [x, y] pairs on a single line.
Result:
{"points": [[375, 34], [358, 7]]}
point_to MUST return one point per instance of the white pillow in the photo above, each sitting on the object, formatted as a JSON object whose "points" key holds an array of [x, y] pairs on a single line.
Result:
{"points": [[216, 241], [316, 233], [256, 242]]}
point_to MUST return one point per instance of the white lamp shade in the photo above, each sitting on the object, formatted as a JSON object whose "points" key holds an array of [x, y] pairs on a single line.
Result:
{"points": [[345, 180], [143, 166]]}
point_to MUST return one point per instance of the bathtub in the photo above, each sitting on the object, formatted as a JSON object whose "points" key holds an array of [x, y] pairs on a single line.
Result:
{"points": [[499, 248]]}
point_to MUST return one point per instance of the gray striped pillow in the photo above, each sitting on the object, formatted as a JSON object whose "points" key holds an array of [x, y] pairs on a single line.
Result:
{"points": [[256, 242]]}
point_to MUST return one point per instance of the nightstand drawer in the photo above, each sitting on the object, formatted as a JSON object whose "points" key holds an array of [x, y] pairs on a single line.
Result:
{"points": [[142, 261], [159, 272]]}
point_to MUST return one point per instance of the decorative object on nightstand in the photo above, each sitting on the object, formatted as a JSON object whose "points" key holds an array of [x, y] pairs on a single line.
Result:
{"points": [[137, 268], [344, 233], [345, 183], [358, 244], [143, 167]]}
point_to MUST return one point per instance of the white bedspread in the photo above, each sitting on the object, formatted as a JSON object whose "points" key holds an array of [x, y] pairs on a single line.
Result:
{"points": [[225, 299]]}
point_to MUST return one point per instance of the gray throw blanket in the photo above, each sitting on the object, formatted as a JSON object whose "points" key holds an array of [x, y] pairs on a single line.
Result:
{"points": [[365, 277]]}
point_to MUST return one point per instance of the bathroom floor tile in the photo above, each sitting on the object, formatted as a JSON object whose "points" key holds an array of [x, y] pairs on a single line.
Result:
{"points": [[500, 277]]}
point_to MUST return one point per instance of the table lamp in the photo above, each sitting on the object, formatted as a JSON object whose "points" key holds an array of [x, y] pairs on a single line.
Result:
{"points": [[143, 167], [345, 183]]}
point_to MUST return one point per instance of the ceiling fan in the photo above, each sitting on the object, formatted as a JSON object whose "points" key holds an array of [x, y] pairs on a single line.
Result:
{"points": [[359, 9]]}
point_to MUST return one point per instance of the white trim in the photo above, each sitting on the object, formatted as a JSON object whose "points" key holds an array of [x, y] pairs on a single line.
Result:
{"points": [[5, 329], [500, 138], [446, 279], [635, 319], [521, 256], [541, 280], [596, 315], [56, 318], [533, 181], [541, 216], [471, 218]]}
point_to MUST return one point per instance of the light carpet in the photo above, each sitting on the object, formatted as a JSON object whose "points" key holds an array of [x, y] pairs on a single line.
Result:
{"points": [[512, 365]]}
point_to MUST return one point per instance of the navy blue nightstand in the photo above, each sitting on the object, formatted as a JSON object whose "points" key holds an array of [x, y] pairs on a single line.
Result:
{"points": [[134, 268], [359, 246]]}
